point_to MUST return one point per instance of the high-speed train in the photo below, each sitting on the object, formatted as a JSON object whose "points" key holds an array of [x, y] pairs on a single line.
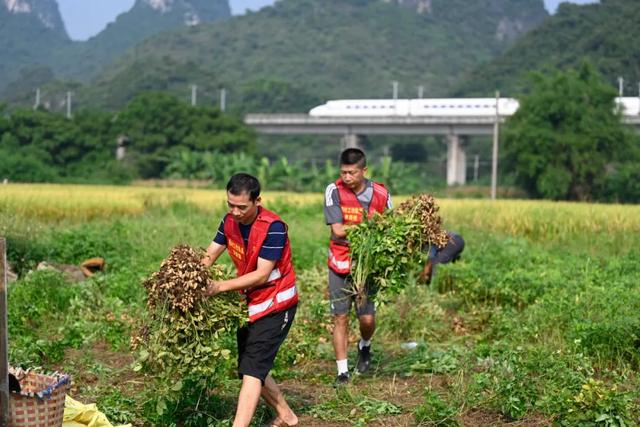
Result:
{"points": [[435, 107], [630, 105]]}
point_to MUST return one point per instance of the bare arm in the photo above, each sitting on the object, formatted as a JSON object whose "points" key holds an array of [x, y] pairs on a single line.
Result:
{"points": [[257, 277], [339, 230], [213, 253]]}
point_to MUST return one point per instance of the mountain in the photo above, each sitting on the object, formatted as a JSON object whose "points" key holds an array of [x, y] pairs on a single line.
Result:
{"points": [[34, 37], [29, 31], [146, 18], [606, 34], [318, 49]]}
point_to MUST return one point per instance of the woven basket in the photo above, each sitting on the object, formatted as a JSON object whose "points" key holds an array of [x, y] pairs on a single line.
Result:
{"points": [[40, 403]]}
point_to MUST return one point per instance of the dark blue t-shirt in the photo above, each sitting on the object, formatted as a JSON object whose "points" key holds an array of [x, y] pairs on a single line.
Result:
{"points": [[272, 246]]}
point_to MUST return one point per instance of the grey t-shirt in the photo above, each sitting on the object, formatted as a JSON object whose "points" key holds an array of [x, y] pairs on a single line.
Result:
{"points": [[332, 211]]}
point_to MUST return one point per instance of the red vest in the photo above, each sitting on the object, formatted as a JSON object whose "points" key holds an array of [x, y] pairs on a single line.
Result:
{"points": [[279, 293], [353, 213]]}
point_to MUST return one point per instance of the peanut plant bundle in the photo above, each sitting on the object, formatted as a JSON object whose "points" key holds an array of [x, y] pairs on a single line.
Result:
{"points": [[424, 208], [387, 248], [185, 330]]}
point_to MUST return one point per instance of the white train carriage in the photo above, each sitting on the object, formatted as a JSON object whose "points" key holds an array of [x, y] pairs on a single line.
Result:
{"points": [[462, 107]]}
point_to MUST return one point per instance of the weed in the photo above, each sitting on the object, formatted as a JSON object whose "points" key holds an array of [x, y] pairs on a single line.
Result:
{"points": [[435, 411]]}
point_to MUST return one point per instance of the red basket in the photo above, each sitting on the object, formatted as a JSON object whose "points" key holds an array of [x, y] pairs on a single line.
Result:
{"points": [[40, 402]]}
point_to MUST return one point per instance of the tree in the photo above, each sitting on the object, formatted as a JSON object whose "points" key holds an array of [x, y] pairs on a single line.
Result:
{"points": [[567, 139], [160, 125]]}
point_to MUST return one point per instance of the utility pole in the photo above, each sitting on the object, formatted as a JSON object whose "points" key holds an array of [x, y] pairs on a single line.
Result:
{"points": [[494, 159], [194, 95], [37, 104], [223, 100], [395, 90], [68, 105], [420, 92], [620, 86], [4, 341]]}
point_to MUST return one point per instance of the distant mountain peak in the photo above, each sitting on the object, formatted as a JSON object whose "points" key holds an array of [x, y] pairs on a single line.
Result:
{"points": [[17, 6], [189, 10], [160, 5], [45, 10]]}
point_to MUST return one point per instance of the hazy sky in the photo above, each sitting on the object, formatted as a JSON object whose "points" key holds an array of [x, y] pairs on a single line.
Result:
{"points": [[85, 18]]}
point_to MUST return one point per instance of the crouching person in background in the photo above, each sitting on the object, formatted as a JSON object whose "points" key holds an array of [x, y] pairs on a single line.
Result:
{"points": [[449, 253], [258, 244]]}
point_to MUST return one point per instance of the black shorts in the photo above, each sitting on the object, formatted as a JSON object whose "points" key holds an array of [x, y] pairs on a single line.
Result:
{"points": [[258, 343]]}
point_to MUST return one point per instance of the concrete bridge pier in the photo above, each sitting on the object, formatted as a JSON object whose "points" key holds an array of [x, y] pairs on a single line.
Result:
{"points": [[456, 160], [352, 140]]}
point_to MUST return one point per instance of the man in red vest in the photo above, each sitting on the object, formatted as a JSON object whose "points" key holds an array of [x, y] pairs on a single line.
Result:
{"points": [[347, 201], [257, 242]]}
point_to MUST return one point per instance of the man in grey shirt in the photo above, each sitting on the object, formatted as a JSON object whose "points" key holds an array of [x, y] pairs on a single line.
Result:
{"points": [[347, 201]]}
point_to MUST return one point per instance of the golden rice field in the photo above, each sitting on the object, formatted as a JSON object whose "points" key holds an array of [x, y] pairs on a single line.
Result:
{"points": [[538, 219], [83, 202]]}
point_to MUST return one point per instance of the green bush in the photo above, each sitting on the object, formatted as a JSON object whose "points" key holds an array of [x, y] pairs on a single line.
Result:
{"points": [[26, 166]]}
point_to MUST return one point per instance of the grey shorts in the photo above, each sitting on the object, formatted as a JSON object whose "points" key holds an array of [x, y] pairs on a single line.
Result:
{"points": [[341, 296]]}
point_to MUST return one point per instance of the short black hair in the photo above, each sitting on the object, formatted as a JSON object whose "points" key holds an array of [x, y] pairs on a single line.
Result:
{"points": [[353, 156], [244, 183]]}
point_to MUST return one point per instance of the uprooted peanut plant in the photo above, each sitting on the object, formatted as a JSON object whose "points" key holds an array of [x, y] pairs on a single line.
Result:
{"points": [[185, 332], [387, 248]]}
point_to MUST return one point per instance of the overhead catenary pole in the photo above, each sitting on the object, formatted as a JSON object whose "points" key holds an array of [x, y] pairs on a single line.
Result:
{"points": [[620, 86], [37, 103], [4, 341], [494, 158], [420, 92], [68, 105], [394, 84], [194, 95], [223, 99]]}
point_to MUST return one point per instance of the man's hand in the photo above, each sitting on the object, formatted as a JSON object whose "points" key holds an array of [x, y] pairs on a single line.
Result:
{"points": [[426, 274], [213, 288]]}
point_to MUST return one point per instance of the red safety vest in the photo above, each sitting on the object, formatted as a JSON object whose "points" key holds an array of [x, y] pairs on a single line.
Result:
{"points": [[353, 213], [279, 292]]}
